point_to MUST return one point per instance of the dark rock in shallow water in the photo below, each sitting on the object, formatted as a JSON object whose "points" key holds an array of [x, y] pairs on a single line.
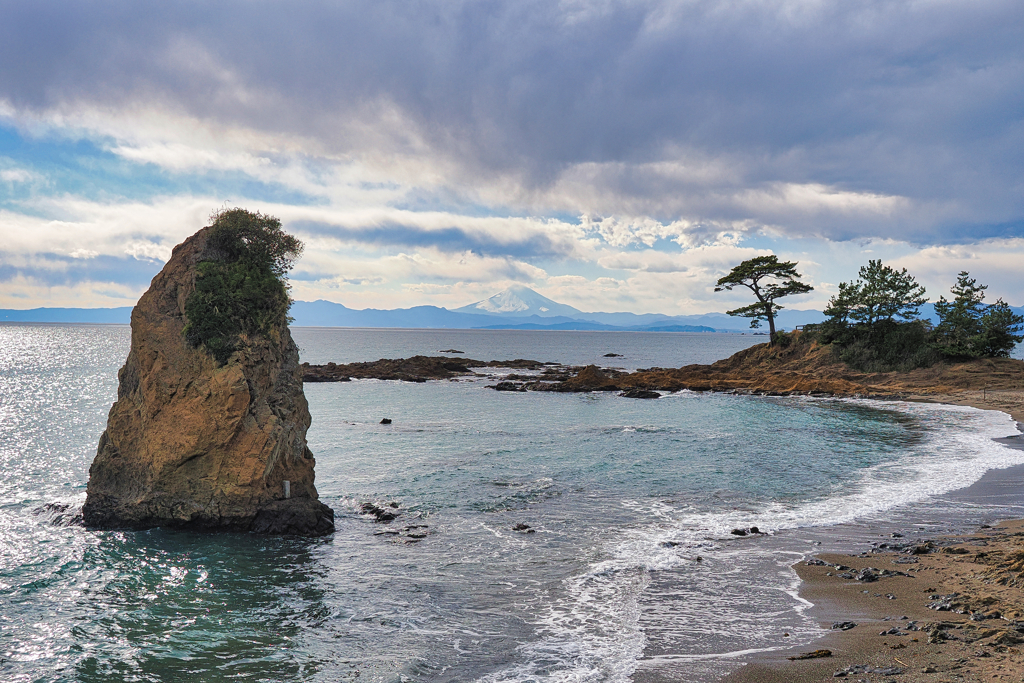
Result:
{"points": [[590, 378], [738, 532], [640, 393], [60, 514], [307, 518], [613, 355], [381, 514], [386, 421], [450, 351], [508, 386], [414, 369], [195, 444]]}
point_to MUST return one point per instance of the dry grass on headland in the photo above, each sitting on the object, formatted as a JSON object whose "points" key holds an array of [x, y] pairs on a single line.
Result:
{"points": [[809, 368]]}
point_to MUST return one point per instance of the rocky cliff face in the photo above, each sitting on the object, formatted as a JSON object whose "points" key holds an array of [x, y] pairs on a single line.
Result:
{"points": [[191, 444]]}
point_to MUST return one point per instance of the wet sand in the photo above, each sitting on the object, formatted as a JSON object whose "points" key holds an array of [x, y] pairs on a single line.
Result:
{"points": [[958, 607], [955, 613], [951, 611], [1009, 401]]}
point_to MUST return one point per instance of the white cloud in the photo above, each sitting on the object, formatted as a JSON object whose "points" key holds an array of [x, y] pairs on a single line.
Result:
{"points": [[18, 175], [21, 292]]}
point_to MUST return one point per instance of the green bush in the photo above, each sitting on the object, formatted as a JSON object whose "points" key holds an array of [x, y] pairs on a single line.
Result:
{"points": [[240, 288], [886, 346]]}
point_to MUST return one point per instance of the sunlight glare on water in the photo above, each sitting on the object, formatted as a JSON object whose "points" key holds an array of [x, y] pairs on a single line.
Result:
{"points": [[618, 498]]}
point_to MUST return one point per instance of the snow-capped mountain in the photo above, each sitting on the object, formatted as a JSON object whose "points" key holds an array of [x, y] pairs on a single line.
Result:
{"points": [[521, 302]]}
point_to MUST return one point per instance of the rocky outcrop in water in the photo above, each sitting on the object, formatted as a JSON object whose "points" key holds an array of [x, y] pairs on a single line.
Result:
{"points": [[415, 369], [195, 444], [801, 368]]}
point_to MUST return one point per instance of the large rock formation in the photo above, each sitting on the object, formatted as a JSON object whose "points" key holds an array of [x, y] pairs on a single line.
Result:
{"points": [[193, 444]]}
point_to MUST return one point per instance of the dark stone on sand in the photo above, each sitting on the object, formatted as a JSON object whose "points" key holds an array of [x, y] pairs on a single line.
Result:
{"points": [[867, 575], [867, 669], [817, 654], [843, 625]]}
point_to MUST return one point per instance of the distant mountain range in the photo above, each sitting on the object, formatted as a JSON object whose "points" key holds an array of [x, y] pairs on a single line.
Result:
{"points": [[516, 308]]}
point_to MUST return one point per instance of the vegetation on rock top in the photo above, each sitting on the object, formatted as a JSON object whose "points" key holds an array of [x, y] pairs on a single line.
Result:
{"points": [[873, 323], [240, 290]]}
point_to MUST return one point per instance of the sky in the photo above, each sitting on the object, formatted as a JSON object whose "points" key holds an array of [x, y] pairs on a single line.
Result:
{"points": [[614, 155]]}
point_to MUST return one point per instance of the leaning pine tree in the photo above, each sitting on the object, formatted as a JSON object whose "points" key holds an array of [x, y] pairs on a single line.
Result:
{"points": [[769, 279]]}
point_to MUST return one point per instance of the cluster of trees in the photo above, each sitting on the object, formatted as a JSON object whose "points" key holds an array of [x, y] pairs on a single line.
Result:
{"points": [[240, 288], [874, 321]]}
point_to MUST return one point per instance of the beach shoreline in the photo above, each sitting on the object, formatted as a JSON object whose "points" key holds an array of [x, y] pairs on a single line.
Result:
{"points": [[983, 571], [963, 650]]}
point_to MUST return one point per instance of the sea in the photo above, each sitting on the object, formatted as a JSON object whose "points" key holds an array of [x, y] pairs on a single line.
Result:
{"points": [[540, 537]]}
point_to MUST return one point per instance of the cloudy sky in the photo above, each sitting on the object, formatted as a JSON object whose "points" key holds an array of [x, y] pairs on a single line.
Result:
{"points": [[611, 154]]}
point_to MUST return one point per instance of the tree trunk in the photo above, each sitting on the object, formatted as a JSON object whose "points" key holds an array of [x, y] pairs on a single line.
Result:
{"points": [[771, 324]]}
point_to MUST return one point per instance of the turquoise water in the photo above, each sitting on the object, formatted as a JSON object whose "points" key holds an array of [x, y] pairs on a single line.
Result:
{"points": [[622, 497]]}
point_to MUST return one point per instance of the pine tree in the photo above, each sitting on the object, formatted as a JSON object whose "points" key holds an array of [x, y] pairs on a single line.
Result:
{"points": [[1001, 330], [969, 329], [959, 332], [757, 275], [886, 294]]}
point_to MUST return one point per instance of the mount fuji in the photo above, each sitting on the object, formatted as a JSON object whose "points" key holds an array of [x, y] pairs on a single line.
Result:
{"points": [[519, 301]]}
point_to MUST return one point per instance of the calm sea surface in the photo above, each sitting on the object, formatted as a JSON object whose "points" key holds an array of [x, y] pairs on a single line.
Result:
{"points": [[630, 566]]}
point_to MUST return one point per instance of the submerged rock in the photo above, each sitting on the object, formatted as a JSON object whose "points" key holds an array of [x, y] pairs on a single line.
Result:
{"points": [[640, 393], [193, 443]]}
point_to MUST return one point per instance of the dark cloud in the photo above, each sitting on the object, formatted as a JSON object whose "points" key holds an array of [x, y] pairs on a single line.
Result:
{"points": [[450, 240], [922, 100]]}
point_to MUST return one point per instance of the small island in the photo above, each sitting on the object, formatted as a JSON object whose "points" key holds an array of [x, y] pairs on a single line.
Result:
{"points": [[209, 428]]}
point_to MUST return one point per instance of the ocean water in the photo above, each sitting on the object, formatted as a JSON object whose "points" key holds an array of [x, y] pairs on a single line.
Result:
{"points": [[627, 566]]}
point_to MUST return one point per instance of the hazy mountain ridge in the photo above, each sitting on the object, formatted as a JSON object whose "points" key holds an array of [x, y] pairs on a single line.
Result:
{"points": [[514, 308]]}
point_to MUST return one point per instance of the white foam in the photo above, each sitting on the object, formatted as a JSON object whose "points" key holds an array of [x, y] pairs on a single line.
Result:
{"points": [[594, 633]]}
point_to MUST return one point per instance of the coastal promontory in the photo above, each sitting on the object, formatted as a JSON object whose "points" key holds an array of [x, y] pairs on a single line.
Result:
{"points": [[209, 428]]}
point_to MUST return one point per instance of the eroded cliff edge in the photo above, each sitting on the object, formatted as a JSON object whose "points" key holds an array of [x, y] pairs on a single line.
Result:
{"points": [[191, 443]]}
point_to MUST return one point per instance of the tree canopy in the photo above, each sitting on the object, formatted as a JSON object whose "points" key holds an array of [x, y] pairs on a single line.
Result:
{"points": [[769, 279], [970, 329], [240, 288], [872, 322]]}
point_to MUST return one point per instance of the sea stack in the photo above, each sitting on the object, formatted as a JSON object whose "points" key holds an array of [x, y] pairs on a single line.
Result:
{"points": [[209, 432]]}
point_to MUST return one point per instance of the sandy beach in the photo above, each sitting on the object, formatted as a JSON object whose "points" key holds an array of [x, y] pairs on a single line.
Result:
{"points": [[946, 609]]}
